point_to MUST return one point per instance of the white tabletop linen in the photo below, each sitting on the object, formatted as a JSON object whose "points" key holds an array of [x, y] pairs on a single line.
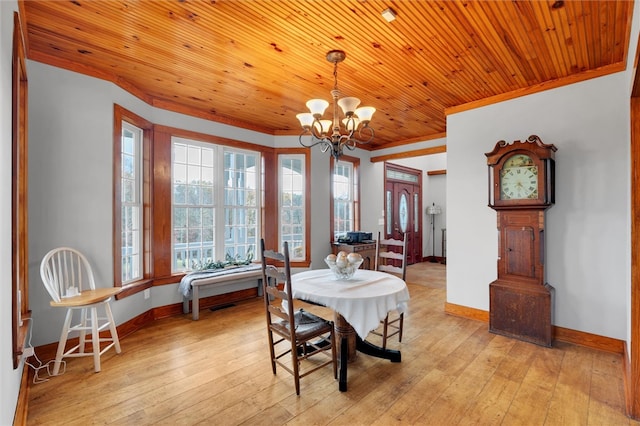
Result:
{"points": [[363, 301]]}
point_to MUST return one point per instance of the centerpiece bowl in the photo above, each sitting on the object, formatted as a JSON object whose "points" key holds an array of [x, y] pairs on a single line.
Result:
{"points": [[344, 266]]}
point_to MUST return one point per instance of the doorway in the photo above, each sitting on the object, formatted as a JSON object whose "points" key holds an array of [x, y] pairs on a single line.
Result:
{"points": [[403, 205]]}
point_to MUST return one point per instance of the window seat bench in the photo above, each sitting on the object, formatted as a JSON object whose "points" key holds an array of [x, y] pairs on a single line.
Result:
{"points": [[191, 283]]}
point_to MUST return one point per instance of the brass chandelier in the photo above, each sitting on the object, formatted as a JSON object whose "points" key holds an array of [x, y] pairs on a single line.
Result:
{"points": [[334, 134]]}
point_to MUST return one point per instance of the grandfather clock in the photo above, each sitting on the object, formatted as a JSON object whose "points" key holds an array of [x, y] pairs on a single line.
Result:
{"points": [[521, 188]]}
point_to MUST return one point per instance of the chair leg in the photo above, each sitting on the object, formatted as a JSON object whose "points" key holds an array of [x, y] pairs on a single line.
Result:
{"points": [[333, 354], [296, 366], [112, 327], [95, 339], [62, 343], [82, 340], [401, 327], [272, 352]]}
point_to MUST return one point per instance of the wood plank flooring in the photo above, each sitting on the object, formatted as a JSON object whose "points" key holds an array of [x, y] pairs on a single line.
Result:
{"points": [[453, 372]]}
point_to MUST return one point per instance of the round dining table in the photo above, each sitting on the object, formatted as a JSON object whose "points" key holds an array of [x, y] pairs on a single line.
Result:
{"points": [[359, 304]]}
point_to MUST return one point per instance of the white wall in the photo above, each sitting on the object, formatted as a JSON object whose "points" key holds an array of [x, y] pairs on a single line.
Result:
{"points": [[586, 230]]}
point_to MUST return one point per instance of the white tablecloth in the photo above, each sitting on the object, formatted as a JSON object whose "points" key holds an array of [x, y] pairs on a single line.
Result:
{"points": [[363, 301]]}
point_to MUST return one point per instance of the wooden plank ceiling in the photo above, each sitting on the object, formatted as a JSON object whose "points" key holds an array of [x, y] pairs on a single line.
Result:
{"points": [[254, 64]]}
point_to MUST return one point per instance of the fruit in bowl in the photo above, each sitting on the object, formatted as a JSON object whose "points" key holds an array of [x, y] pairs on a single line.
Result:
{"points": [[344, 265]]}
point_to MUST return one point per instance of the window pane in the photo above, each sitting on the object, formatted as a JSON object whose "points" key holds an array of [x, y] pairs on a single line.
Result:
{"points": [[241, 208], [193, 219], [292, 205], [345, 188], [131, 203]]}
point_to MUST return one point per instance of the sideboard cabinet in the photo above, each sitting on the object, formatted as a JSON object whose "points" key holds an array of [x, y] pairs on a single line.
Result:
{"points": [[366, 250]]}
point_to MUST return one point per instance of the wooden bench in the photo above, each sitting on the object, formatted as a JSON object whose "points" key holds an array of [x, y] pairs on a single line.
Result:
{"points": [[214, 278]]}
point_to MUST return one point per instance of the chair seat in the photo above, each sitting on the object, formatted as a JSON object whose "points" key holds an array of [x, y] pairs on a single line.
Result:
{"points": [[87, 297], [308, 325]]}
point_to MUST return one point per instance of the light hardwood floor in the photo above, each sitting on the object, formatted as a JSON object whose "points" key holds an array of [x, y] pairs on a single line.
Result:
{"points": [[453, 371]]}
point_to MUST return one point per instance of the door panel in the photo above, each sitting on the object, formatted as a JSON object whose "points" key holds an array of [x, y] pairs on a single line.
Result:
{"points": [[519, 250]]}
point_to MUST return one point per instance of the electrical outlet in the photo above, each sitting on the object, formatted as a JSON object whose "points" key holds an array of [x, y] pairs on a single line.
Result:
{"points": [[147, 293], [27, 352]]}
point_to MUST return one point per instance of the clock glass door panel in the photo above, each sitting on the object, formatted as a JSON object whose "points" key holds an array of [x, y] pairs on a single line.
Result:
{"points": [[519, 178]]}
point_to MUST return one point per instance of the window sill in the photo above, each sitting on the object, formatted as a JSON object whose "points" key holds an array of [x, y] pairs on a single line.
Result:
{"points": [[133, 288]]}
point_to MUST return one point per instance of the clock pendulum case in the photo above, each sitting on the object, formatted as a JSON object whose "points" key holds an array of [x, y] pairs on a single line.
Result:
{"points": [[521, 188]]}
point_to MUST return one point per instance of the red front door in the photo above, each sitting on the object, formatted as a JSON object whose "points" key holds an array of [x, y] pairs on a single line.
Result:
{"points": [[403, 204]]}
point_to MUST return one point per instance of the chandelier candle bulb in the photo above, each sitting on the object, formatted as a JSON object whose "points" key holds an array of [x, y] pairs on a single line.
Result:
{"points": [[323, 126], [306, 120], [349, 105], [365, 113], [317, 107]]}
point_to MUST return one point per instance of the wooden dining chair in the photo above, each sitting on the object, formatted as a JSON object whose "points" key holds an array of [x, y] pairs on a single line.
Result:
{"points": [[296, 335], [68, 277], [391, 257]]}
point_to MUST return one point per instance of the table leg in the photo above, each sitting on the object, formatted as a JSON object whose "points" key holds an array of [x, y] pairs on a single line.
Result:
{"points": [[342, 378], [373, 350], [346, 341], [345, 333]]}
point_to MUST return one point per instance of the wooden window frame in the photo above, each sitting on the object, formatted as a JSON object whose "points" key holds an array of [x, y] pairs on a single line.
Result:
{"points": [[306, 262], [119, 115], [215, 202], [162, 195], [19, 194], [219, 200]]}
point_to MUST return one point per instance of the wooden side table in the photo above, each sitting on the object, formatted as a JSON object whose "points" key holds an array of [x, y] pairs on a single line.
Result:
{"points": [[366, 250]]}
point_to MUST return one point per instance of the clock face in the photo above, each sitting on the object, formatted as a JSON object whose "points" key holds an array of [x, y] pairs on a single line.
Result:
{"points": [[519, 179]]}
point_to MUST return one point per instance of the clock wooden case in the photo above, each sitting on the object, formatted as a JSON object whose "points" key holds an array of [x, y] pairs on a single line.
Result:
{"points": [[521, 188]]}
